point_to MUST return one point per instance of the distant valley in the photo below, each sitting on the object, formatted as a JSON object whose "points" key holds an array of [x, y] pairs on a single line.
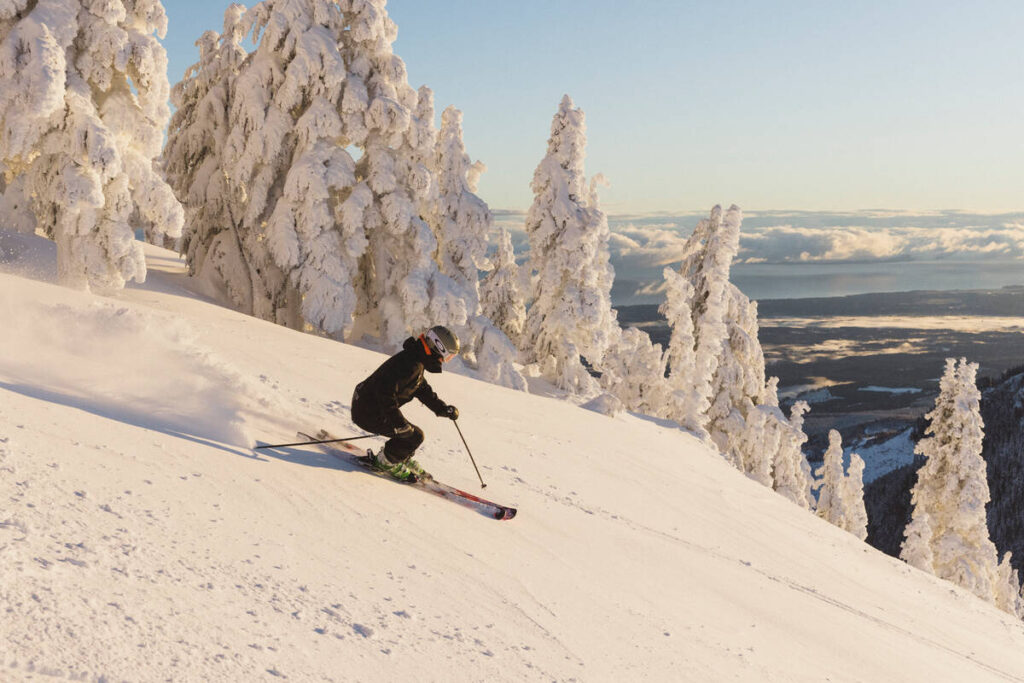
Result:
{"points": [[870, 363]]}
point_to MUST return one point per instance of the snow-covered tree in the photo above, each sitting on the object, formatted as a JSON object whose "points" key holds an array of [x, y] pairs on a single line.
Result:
{"points": [[462, 221], [570, 315], [493, 354], [916, 549], [831, 483], [286, 154], [697, 306], [791, 474], [853, 495], [220, 252], [716, 365], [81, 121], [633, 370], [326, 241], [738, 383], [422, 142], [402, 289], [691, 390], [841, 497], [500, 297], [952, 490], [1008, 588], [758, 438]]}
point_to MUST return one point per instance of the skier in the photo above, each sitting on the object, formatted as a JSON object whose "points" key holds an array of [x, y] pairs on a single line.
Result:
{"points": [[377, 399]]}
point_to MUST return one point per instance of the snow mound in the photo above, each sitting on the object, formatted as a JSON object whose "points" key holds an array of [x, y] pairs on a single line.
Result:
{"points": [[161, 379], [605, 404]]}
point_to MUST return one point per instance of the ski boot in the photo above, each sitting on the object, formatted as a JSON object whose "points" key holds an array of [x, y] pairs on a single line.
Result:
{"points": [[408, 471]]}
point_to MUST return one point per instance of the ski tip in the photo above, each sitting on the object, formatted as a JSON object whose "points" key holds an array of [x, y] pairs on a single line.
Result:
{"points": [[505, 513]]}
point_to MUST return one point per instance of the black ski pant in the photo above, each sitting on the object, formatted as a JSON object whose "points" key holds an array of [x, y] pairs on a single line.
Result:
{"points": [[403, 437]]}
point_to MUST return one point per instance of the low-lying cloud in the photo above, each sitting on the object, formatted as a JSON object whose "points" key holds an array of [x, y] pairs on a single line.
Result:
{"points": [[657, 240], [790, 244]]}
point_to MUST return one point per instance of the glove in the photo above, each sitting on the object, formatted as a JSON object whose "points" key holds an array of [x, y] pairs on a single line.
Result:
{"points": [[451, 412]]}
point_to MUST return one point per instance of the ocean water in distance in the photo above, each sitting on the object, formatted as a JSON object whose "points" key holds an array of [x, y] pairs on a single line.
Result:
{"points": [[793, 281], [805, 280]]}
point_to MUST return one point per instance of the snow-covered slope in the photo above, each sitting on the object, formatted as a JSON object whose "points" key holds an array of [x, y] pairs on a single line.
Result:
{"points": [[142, 538]]}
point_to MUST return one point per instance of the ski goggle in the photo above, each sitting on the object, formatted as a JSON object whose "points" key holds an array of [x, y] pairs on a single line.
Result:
{"points": [[430, 339]]}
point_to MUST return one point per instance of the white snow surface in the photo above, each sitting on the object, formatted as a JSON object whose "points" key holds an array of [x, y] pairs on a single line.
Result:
{"points": [[141, 538], [886, 456]]}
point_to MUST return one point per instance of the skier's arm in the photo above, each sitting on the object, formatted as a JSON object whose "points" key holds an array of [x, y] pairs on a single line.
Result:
{"points": [[428, 398]]}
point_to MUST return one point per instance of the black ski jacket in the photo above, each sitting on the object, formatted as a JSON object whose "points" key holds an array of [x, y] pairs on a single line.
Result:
{"points": [[396, 382]]}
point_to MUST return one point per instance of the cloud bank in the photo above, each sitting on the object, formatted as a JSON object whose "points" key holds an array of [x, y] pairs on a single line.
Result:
{"points": [[656, 240], [642, 245]]}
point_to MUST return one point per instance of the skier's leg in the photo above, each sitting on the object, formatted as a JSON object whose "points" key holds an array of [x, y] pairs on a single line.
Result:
{"points": [[403, 443], [368, 416]]}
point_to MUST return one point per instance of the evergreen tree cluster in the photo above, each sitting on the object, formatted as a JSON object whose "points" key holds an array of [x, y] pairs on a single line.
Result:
{"points": [[81, 122], [1002, 410], [710, 379], [948, 534], [318, 191], [841, 496]]}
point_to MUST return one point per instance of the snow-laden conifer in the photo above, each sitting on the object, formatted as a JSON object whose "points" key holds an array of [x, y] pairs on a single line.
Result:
{"points": [[759, 437], [1008, 587], [831, 483], [402, 289], [853, 494], [691, 390], [791, 474], [716, 364], [738, 383], [422, 142], [493, 354], [81, 121], [221, 253], [500, 296], [633, 370], [330, 242], [286, 155], [570, 316], [461, 222], [952, 489], [696, 307], [916, 549]]}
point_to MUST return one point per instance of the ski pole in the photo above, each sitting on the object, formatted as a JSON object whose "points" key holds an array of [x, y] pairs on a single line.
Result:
{"points": [[309, 443], [471, 459]]}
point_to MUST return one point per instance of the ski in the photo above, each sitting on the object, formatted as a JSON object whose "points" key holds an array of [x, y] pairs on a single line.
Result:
{"points": [[354, 454]]}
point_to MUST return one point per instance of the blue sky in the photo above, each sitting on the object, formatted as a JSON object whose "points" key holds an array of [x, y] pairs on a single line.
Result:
{"points": [[771, 105]]}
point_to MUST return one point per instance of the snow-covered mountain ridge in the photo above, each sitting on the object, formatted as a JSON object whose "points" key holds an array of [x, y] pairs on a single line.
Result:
{"points": [[141, 538]]}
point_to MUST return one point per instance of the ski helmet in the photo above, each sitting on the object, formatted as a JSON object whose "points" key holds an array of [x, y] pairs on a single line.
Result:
{"points": [[441, 342]]}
